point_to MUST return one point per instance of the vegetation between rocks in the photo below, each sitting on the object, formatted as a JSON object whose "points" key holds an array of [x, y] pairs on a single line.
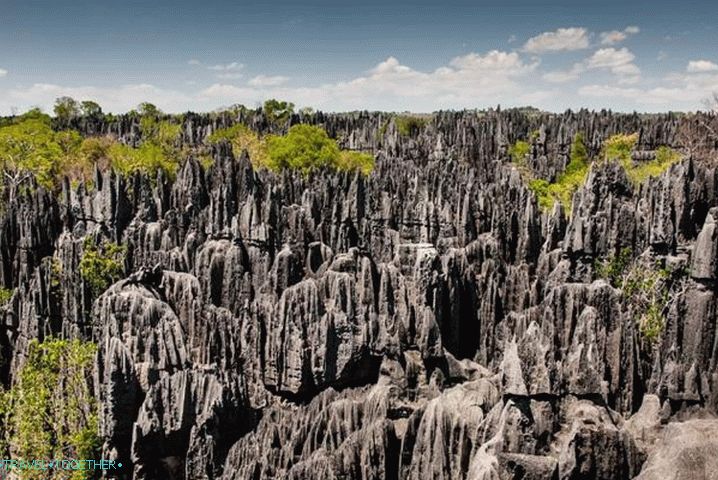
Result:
{"points": [[645, 290], [563, 188], [101, 266], [50, 412], [304, 148]]}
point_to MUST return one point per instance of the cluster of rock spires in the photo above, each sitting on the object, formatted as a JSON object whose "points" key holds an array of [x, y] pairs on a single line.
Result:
{"points": [[426, 321]]}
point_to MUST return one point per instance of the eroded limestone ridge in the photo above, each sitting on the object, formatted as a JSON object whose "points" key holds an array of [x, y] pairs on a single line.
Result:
{"points": [[426, 321]]}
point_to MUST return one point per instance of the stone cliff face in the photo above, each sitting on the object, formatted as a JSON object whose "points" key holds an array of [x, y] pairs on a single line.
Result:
{"points": [[427, 321]]}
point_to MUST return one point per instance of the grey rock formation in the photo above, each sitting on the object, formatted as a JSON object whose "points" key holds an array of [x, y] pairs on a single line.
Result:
{"points": [[426, 321]]}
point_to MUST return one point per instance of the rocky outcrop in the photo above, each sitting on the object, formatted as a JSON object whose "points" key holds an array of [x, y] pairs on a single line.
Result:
{"points": [[426, 321]]}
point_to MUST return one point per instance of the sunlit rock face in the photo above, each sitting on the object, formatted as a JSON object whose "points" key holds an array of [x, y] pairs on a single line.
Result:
{"points": [[426, 321]]}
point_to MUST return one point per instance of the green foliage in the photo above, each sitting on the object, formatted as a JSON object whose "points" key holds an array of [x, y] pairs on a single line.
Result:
{"points": [[100, 267], [146, 109], [349, 161], [91, 109], [278, 112], [409, 125], [66, 109], [519, 151], [5, 295], [158, 150], [30, 145], [542, 190], [568, 182], [243, 138], [148, 158], [613, 268], [619, 147], [644, 289], [50, 412], [641, 171], [304, 147]]}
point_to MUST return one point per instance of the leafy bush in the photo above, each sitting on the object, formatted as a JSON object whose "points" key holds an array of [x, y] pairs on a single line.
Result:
{"points": [[519, 151], [243, 138], [568, 182], [50, 411], [642, 171], [304, 148], [349, 161], [148, 158], [30, 146], [278, 112], [5, 295], [619, 147], [613, 268], [644, 288], [100, 267], [409, 125]]}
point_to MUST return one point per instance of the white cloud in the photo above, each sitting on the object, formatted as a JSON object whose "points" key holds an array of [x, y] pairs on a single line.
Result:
{"points": [[268, 81], [473, 80], [230, 76], [677, 92], [112, 99], [3, 72], [612, 37], [560, 76], [701, 66], [563, 39], [234, 66], [468, 80], [617, 36], [194, 61], [619, 62]]}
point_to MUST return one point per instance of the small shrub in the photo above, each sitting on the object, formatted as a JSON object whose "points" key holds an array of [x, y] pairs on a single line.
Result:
{"points": [[644, 288], [519, 151], [568, 182], [619, 147], [149, 158], [614, 268], [5, 295], [278, 112], [304, 148], [243, 138], [409, 125], [50, 412], [100, 267], [350, 161], [642, 171]]}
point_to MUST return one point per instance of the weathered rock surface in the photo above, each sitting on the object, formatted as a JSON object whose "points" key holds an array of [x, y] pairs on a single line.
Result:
{"points": [[427, 321]]}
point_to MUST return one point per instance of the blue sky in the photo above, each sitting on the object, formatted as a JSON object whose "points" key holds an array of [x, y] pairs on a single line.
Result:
{"points": [[336, 56]]}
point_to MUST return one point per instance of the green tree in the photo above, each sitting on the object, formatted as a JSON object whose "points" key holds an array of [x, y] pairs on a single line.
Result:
{"points": [[278, 112], [91, 109], [409, 125], [147, 109], [28, 148], [304, 147], [66, 109], [243, 138]]}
